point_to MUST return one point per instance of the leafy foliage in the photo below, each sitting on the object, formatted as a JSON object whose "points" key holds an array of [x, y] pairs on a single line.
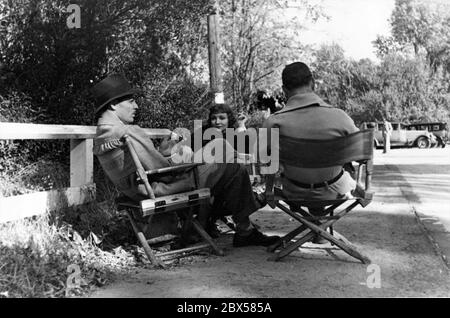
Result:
{"points": [[420, 29], [412, 80], [258, 39]]}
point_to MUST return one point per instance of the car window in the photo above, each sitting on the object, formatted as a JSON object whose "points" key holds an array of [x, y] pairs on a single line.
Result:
{"points": [[436, 127]]}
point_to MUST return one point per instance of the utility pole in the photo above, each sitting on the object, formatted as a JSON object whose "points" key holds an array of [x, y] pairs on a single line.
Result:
{"points": [[215, 71]]}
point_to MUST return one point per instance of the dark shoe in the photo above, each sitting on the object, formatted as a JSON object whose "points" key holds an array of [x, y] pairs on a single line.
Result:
{"points": [[254, 238], [317, 239]]}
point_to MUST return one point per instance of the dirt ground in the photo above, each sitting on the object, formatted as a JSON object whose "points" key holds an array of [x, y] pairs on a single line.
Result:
{"points": [[387, 231]]}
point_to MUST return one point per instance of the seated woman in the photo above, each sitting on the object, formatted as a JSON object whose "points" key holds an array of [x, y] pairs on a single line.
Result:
{"points": [[222, 117]]}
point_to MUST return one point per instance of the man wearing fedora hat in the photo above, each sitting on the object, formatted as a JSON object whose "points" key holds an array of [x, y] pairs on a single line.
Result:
{"points": [[230, 183]]}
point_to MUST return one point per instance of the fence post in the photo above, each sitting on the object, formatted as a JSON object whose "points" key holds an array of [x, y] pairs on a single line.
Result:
{"points": [[81, 162]]}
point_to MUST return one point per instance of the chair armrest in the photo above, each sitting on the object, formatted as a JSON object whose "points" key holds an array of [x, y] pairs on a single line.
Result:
{"points": [[364, 187], [369, 171], [176, 168]]}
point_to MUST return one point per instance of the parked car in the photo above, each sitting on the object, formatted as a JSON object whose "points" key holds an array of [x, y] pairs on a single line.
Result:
{"points": [[438, 129], [401, 136]]}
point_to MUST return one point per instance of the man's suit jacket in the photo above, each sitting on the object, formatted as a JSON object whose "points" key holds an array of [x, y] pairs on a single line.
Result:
{"points": [[308, 116], [118, 165]]}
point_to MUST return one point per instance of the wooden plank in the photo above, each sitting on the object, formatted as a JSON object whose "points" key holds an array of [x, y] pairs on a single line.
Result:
{"points": [[157, 132], [215, 70], [27, 205], [81, 162], [39, 131]]}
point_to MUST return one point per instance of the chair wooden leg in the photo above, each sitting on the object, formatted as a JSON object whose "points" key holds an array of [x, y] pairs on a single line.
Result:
{"points": [[346, 248], [365, 259], [206, 237], [321, 230], [184, 250], [141, 237], [187, 222], [287, 238], [292, 247], [341, 237]]}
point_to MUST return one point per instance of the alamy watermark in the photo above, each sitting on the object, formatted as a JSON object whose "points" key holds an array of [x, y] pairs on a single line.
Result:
{"points": [[374, 278], [74, 280], [74, 19]]}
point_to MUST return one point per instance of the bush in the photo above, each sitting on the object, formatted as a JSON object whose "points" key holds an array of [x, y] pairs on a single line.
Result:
{"points": [[35, 257]]}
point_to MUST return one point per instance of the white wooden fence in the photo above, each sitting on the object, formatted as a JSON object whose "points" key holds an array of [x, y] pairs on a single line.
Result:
{"points": [[82, 186]]}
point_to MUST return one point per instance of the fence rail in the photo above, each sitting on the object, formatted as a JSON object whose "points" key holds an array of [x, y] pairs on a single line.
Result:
{"points": [[82, 187]]}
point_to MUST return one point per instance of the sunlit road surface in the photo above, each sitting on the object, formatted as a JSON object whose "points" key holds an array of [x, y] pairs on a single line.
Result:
{"points": [[425, 183]]}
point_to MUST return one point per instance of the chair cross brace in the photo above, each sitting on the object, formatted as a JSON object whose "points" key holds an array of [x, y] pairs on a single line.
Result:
{"points": [[339, 240]]}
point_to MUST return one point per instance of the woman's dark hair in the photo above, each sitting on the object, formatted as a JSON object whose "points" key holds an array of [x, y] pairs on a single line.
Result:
{"points": [[222, 108]]}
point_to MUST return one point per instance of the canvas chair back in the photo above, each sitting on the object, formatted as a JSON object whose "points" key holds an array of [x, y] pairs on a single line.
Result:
{"points": [[312, 153]]}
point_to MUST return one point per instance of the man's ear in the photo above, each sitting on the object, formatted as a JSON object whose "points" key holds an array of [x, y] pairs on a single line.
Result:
{"points": [[313, 84], [113, 105]]}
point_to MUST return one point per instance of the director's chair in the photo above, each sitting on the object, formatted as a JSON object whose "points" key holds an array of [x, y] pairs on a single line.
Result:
{"points": [[308, 153], [185, 204]]}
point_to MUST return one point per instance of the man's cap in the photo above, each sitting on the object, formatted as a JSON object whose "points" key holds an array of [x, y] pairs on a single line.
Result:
{"points": [[296, 75], [112, 87]]}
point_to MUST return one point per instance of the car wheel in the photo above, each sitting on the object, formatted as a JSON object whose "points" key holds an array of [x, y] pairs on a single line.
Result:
{"points": [[423, 143]]}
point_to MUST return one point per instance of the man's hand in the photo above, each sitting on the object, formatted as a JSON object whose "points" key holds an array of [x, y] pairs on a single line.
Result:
{"points": [[166, 145], [241, 119]]}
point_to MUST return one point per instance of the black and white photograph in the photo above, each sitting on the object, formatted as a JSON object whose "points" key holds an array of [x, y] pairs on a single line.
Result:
{"points": [[224, 155]]}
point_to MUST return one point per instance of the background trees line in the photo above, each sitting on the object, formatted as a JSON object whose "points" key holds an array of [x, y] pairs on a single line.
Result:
{"points": [[47, 70], [410, 83]]}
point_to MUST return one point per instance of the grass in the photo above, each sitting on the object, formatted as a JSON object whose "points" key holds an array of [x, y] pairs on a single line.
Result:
{"points": [[35, 256], [40, 256]]}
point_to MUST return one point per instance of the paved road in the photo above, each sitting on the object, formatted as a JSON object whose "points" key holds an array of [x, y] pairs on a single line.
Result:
{"points": [[425, 183]]}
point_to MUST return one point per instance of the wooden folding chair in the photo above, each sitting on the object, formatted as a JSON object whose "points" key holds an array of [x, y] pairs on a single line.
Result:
{"points": [[308, 153], [185, 204]]}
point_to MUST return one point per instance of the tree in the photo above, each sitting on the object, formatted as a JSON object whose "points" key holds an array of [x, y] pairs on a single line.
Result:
{"points": [[47, 69], [401, 88], [342, 81], [419, 29], [155, 44], [258, 38]]}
